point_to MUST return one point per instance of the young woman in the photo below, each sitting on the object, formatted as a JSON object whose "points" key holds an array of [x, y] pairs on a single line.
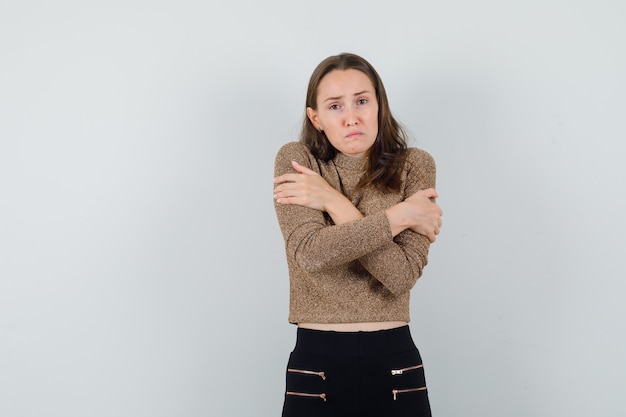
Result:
{"points": [[357, 211]]}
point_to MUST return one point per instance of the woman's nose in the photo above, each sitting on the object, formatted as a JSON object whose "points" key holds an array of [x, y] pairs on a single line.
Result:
{"points": [[351, 118]]}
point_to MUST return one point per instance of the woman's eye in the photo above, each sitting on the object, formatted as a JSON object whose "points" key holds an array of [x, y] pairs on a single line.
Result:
{"points": [[334, 106], [362, 101]]}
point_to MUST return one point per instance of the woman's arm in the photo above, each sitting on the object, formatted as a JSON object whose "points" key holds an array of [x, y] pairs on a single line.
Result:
{"points": [[311, 239], [399, 264], [302, 196], [307, 188], [418, 212]]}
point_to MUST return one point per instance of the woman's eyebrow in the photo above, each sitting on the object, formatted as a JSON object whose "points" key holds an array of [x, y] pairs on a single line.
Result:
{"points": [[340, 97]]}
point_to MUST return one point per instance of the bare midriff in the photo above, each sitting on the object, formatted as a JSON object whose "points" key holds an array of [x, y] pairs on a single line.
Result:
{"points": [[354, 327]]}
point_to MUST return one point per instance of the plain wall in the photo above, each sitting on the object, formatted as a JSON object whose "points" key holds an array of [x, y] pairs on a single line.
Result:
{"points": [[142, 271]]}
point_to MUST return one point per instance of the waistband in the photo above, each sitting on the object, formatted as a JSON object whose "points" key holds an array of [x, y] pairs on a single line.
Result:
{"points": [[354, 343]]}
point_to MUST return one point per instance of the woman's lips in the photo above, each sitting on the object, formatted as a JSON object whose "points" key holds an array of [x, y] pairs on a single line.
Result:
{"points": [[354, 135]]}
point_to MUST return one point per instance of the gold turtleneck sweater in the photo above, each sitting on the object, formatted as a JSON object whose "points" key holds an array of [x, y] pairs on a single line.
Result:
{"points": [[354, 272]]}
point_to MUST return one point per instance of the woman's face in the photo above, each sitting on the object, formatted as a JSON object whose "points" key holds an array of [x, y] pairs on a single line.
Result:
{"points": [[347, 111]]}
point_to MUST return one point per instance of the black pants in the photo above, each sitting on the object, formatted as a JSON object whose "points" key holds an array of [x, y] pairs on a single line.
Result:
{"points": [[360, 374]]}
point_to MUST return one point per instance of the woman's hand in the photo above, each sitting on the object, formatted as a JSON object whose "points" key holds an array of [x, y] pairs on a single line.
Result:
{"points": [[419, 212], [426, 213], [308, 189]]}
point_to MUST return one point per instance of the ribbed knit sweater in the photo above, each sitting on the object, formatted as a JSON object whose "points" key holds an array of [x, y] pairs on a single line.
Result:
{"points": [[353, 272]]}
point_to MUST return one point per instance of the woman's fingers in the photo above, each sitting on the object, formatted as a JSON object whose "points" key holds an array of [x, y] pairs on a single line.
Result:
{"points": [[426, 213], [286, 178], [302, 169], [306, 188], [293, 177], [289, 189], [429, 193]]}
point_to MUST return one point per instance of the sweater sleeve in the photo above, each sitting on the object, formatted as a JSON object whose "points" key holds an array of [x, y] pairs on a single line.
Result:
{"points": [[399, 264], [311, 240]]}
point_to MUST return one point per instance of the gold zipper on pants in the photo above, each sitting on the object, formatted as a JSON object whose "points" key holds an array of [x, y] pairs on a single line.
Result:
{"points": [[303, 394], [302, 371], [410, 368], [402, 391]]}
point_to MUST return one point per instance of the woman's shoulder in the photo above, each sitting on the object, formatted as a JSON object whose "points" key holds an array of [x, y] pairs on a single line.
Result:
{"points": [[420, 169], [419, 159], [294, 151], [293, 148], [417, 154]]}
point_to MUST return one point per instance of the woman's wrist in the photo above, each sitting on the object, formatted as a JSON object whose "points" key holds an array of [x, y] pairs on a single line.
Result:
{"points": [[398, 220], [341, 209]]}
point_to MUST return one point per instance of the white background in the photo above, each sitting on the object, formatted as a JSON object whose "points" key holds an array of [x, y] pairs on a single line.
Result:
{"points": [[142, 270]]}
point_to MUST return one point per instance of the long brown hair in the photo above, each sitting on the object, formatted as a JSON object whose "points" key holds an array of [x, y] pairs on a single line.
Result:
{"points": [[385, 159]]}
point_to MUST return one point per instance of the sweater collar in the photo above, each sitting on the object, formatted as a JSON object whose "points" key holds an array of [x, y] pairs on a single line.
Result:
{"points": [[353, 163]]}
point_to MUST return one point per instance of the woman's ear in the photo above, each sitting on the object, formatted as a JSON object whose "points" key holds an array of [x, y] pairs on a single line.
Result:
{"points": [[312, 115]]}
